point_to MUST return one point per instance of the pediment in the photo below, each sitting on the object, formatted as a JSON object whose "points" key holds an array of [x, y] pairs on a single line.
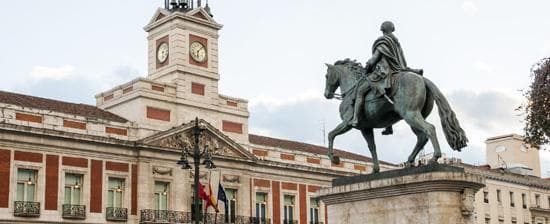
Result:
{"points": [[202, 14], [159, 14], [182, 136]]}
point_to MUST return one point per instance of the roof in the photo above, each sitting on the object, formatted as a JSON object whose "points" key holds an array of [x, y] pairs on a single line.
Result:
{"points": [[305, 147], [84, 110]]}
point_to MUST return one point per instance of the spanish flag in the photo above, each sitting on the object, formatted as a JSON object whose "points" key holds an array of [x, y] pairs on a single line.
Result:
{"points": [[211, 201]]}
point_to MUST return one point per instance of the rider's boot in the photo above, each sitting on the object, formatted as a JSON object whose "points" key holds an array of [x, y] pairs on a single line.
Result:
{"points": [[388, 131], [356, 111]]}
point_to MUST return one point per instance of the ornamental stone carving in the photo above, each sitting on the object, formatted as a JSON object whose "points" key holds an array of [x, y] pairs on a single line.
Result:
{"points": [[214, 144], [231, 179], [162, 170], [468, 196]]}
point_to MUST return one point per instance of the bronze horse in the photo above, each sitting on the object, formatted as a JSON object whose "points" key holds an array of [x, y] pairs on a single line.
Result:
{"points": [[413, 98]]}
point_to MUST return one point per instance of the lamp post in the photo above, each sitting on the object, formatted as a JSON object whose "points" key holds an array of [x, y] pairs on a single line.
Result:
{"points": [[197, 153]]}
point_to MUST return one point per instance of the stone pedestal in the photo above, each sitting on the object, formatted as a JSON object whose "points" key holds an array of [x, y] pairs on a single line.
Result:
{"points": [[431, 194]]}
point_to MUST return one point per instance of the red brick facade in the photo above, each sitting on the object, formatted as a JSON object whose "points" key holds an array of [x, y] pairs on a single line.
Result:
{"points": [[197, 88], [96, 179], [157, 88], [276, 189], [232, 127], [313, 160], [116, 131], [360, 168], [259, 152], [289, 186], [287, 156], [303, 204], [28, 117], [52, 182], [133, 210], [114, 166], [158, 114], [28, 156], [261, 183], [76, 162], [5, 164], [74, 124], [232, 104]]}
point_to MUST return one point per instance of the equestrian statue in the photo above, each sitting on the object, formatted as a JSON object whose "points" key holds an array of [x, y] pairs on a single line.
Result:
{"points": [[384, 92]]}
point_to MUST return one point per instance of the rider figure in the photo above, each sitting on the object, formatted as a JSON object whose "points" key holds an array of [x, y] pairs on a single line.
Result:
{"points": [[387, 58]]}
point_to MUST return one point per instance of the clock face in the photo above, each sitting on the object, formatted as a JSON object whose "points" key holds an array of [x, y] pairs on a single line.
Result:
{"points": [[197, 51], [162, 52]]}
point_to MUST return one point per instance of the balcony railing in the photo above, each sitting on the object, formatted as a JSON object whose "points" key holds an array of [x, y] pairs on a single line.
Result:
{"points": [[117, 214], [164, 216], [316, 223], [169, 217], [26, 209], [74, 211], [290, 221]]}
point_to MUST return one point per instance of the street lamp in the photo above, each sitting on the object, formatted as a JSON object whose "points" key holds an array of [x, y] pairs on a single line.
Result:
{"points": [[196, 153]]}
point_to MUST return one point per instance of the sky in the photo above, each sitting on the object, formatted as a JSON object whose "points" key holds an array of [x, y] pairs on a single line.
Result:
{"points": [[479, 53]]}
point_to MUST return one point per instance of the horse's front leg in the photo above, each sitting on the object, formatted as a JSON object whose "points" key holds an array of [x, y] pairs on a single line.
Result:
{"points": [[369, 137], [340, 129]]}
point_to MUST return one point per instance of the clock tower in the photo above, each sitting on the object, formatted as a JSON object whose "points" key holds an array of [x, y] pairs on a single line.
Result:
{"points": [[182, 79]]}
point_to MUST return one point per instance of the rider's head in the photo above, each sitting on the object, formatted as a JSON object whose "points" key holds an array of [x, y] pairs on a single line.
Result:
{"points": [[387, 27]]}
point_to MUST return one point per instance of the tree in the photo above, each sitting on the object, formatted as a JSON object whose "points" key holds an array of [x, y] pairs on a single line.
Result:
{"points": [[537, 108]]}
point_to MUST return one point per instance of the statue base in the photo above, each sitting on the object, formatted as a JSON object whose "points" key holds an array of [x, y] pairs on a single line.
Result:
{"points": [[430, 194]]}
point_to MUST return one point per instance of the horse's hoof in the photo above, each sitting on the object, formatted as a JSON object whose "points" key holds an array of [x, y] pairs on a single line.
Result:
{"points": [[335, 160]]}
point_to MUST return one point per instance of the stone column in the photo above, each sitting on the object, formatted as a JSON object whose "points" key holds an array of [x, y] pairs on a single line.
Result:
{"points": [[432, 194]]}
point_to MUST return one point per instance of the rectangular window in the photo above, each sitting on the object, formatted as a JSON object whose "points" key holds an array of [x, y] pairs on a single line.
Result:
{"points": [[73, 188], [499, 199], [231, 207], [115, 192], [314, 210], [537, 200], [524, 200], [161, 195], [512, 204], [26, 185], [288, 209], [486, 197], [261, 207]]}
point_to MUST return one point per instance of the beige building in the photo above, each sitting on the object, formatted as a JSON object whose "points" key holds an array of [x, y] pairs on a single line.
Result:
{"points": [[62, 162]]}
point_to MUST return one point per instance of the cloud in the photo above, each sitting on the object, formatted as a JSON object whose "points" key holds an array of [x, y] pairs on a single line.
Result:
{"points": [[59, 73], [481, 115], [484, 67], [70, 84], [470, 8]]}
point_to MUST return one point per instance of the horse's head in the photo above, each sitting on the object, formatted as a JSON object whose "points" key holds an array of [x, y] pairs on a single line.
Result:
{"points": [[332, 81]]}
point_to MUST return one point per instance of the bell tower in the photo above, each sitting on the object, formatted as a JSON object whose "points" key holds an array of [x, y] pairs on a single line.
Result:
{"points": [[183, 41], [182, 77]]}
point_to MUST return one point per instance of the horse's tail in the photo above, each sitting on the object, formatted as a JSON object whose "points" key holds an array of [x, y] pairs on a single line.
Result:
{"points": [[453, 132]]}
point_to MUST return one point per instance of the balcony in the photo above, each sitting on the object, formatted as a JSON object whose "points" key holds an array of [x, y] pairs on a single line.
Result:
{"points": [[117, 214], [290, 221], [164, 216], [169, 217], [26, 209], [74, 211], [254, 220]]}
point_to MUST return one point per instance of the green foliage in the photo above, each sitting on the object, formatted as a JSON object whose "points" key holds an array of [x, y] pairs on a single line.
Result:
{"points": [[537, 109]]}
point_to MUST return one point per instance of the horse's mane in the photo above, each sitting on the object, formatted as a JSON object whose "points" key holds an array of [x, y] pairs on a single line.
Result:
{"points": [[352, 66]]}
